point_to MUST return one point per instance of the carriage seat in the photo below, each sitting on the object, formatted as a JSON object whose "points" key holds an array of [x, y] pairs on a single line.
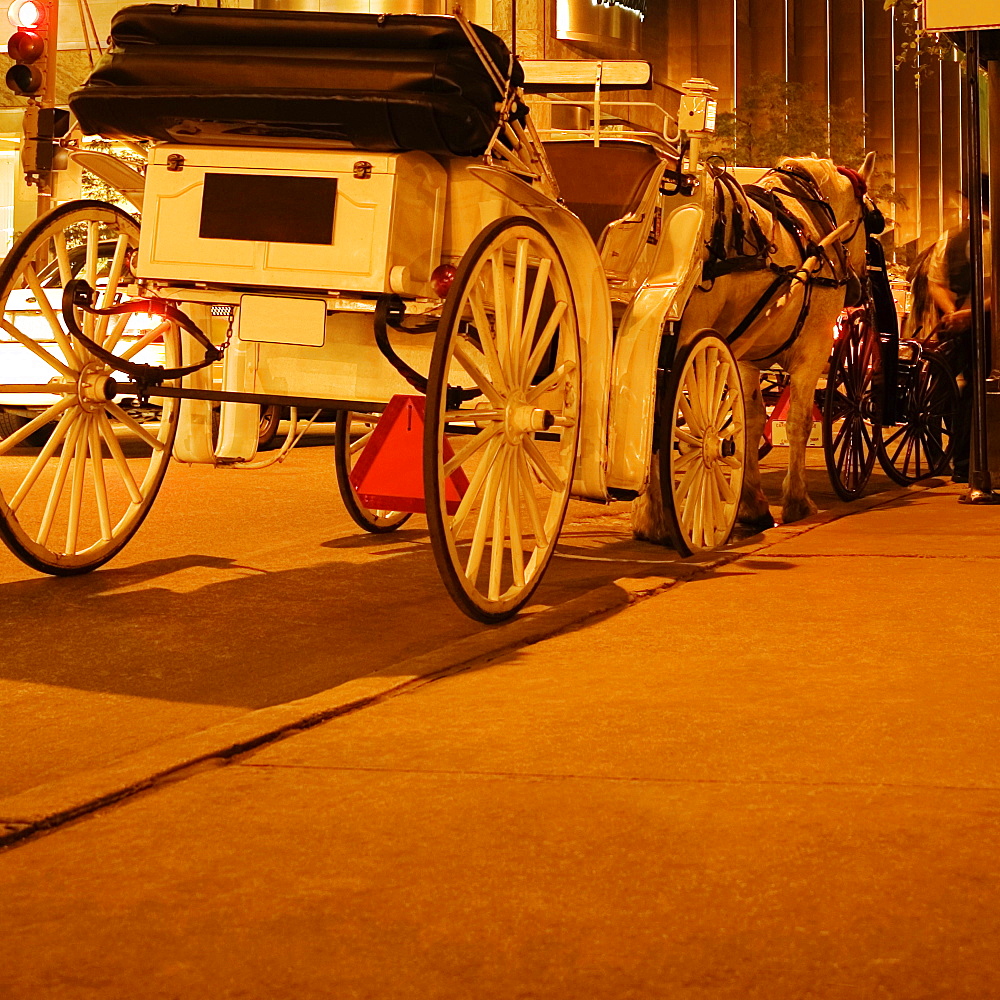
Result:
{"points": [[225, 76], [602, 184]]}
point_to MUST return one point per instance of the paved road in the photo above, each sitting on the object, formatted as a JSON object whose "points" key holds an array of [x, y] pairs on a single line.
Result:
{"points": [[245, 590]]}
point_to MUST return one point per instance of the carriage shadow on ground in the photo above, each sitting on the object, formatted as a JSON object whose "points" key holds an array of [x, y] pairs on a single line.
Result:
{"points": [[268, 611]]}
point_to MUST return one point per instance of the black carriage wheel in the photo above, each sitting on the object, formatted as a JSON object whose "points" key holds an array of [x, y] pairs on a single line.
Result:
{"points": [[71, 505], [503, 419], [852, 406], [919, 446], [345, 454]]}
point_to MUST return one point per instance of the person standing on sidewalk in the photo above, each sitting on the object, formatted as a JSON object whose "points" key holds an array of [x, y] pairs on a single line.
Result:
{"points": [[950, 286]]}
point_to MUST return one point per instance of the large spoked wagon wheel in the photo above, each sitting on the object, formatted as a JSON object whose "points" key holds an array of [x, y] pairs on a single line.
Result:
{"points": [[919, 445], [69, 506], [345, 454], [502, 419], [702, 445], [852, 405]]}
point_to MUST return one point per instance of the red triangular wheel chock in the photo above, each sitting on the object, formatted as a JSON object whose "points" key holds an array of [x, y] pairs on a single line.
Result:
{"points": [[389, 472]]}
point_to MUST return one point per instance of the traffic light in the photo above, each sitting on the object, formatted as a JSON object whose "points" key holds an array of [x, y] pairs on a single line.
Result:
{"points": [[28, 46]]}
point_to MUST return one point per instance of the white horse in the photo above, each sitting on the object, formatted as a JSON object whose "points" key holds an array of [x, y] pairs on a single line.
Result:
{"points": [[793, 321]]}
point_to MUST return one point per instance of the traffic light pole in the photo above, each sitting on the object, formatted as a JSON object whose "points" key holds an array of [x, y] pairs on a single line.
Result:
{"points": [[44, 180]]}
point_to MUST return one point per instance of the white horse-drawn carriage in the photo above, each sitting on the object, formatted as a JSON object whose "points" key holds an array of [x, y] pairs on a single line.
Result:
{"points": [[343, 209]]}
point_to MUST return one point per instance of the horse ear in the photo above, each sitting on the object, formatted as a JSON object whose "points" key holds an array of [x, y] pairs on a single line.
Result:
{"points": [[868, 168]]}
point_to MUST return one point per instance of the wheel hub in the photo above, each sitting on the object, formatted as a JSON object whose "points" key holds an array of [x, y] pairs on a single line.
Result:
{"points": [[521, 418], [713, 447], [95, 386]]}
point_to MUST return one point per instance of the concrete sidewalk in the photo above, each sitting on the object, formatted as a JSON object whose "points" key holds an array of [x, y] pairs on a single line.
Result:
{"points": [[777, 780]]}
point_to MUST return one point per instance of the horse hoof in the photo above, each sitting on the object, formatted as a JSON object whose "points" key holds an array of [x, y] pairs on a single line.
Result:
{"points": [[797, 511], [757, 524]]}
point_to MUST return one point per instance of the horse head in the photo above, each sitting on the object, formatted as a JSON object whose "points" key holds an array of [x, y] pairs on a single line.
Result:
{"points": [[844, 191]]}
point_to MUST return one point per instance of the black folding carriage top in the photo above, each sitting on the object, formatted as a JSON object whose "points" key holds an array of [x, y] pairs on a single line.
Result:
{"points": [[225, 76]]}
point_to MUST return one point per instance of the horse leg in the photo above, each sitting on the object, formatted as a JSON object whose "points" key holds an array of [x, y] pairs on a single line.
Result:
{"points": [[754, 511], [649, 518], [795, 501]]}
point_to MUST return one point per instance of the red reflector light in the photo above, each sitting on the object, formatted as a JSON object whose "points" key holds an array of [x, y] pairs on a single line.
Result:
{"points": [[441, 278], [25, 14]]}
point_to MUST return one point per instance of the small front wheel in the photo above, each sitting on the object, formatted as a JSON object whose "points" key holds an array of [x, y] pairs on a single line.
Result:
{"points": [[502, 419], [345, 453], [702, 445]]}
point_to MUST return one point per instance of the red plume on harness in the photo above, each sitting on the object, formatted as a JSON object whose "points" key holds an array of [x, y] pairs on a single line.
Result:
{"points": [[857, 181]]}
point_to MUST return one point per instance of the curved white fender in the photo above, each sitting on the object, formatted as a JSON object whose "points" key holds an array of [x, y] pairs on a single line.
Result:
{"points": [[590, 288], [660, 299]]}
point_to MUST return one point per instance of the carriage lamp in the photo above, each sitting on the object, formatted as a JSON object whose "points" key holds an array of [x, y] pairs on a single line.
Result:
{"points": [[27, 47], [696, 115], [441, 278]]}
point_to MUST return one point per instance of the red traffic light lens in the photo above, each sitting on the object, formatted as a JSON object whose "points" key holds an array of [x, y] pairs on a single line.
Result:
{"points": [[25, 46], [26, 13]]}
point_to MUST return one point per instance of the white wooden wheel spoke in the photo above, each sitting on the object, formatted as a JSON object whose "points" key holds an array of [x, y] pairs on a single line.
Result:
{"points": [[686, 458], [531, 501], [725, 406], [144, 341], [515, 323], [499, 542], [359, 443], [110, 291], [59, 484], [723, 484], [487, 338], [485, 515], [470, 447], [90, 271], [77, 484], [471, 365], [118, 326], [544, 340], [541, 466], [687, 481], [62, 257], [472, 416], [475, 485], [51, 360], [118, 457], [500, 308], [100, 485], [74, 355], [531, 319], [697, 417], [43, 418], [514, 521], [42, 459], [683, 434], [684, 403], [553, 381], [129, 421]]}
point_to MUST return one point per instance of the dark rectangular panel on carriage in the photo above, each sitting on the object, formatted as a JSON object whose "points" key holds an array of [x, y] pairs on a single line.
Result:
{"points": [[225, 76], [285, 209]]}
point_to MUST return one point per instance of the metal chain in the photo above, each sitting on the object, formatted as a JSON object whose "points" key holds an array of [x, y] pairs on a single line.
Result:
{"points": [[224, 346]]}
